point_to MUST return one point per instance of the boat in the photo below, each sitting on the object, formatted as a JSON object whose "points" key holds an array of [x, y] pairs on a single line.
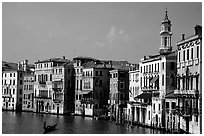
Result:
{"points": [[49, 128]]}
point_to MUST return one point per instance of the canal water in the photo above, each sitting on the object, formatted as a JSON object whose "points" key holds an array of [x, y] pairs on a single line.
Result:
{"points": [[32, 123]]}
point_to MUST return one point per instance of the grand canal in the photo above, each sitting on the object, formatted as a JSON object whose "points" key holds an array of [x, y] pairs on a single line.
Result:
{"points": [[32, 123]]}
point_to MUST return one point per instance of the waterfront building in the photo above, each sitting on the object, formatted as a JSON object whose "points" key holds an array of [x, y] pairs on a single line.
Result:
{"points": [[12, 84], [188, 92], [133, 92], [28, 91], [157, 78], [95, 88], [79, 63], [119, 93], [51, 89], [63, 88], [171, 122]]}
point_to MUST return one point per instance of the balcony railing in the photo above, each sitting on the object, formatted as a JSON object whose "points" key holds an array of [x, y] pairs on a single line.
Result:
{"points": [[6, 95], [42, 82], [185, 92], [86, 100], [186, 111]]}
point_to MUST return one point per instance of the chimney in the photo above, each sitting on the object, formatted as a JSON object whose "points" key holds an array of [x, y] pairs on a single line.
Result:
{"points": [[183, 37], [198, 29], [63, 57], [19, 65], [25, 64]]}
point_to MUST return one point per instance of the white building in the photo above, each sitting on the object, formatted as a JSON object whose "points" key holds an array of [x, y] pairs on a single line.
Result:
{"points": [[12, 84], [28, 91], [134, 91], [157, 78], [48, 92], [189, 93]]}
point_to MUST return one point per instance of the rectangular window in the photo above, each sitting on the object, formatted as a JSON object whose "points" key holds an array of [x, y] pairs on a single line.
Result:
{"points": [[162, 65], [149, 68], [184, 55], [154, 106], [155, 69], [140, 69], [162, 80], [191, 53], [159, 107], [187, 57], [152, 68], [167, 105], [20, 91], [13, 91], [172, 65], [191, 83], [158, 67], [144, 69], [173, 105], [122, 86], [21, 82], [179, 55], [10, 74], [197, 51], [100, 73]]}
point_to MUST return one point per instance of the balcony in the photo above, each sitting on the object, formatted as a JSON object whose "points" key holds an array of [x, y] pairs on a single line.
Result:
{"points": [[190, 63], [178, 65], [57, 100], [42, 82], [6, 95], [86, 100], [185, 92], [196, 61], [186, 112]]}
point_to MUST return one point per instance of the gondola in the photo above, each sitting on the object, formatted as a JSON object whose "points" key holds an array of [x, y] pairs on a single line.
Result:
{"points": [[48, 128]]}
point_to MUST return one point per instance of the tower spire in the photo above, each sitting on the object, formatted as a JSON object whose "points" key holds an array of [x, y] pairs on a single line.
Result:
{"points": [[165, 35]]}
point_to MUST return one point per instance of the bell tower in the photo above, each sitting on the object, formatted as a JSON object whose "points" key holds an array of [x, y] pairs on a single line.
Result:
{"points": [[165, 34]]}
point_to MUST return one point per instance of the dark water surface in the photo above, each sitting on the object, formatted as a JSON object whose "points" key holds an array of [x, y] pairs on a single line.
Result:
{"points": [[32, 123]]}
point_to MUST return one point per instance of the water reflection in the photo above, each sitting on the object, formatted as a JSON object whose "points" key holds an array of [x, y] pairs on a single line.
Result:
{"points": [[31, 123]]}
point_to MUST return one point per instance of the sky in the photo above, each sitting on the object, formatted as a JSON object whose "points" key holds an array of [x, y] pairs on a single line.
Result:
{"points": [[111, 31]]}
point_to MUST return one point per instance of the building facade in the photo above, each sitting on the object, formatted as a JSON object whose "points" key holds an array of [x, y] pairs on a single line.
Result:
{"points": [[28, 91], [157, 78], [12, 84], [50, 86], [79, 63], [119, 93], [95, 86], [134, 90], [188, 93]]}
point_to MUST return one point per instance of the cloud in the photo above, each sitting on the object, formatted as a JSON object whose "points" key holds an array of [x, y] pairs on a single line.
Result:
{"points": [[115, 36], [100, 44]]}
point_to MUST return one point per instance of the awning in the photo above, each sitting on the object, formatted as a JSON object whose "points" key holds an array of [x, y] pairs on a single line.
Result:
{"points": [[154, 79], [86, 92], [144, 96]]}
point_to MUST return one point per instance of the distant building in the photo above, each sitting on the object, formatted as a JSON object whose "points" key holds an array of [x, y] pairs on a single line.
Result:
{"points": [[53, 86], [63, 88], [171, 123], [28, 91], [79, 63], [12, 84], [119, 93], [134, 90], [95, 88], [157, 78], [189, 93]]}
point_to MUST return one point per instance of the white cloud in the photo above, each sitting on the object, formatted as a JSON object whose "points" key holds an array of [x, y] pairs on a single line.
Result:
{"points": [[113, 37]]}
